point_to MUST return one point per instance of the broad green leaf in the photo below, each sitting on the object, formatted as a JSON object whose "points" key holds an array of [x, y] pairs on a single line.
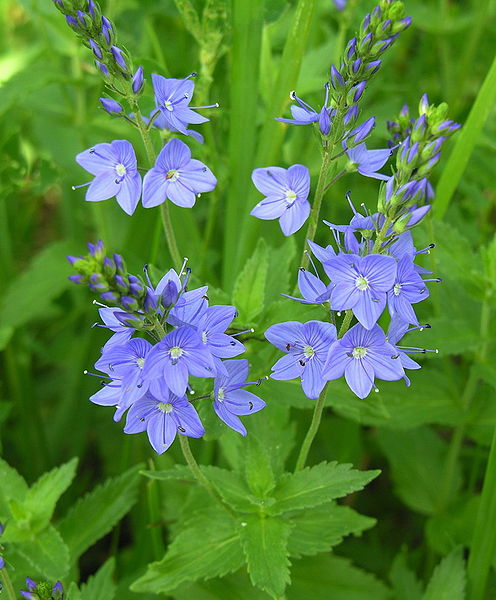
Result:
{"points": [[44, 493], [207, 546], [327, 577], [317, 485], [319, 529], [265, 544], [100, 586], [281, 274], [231, 587], [47, 552], [12, 486], [454, 527], [97, 512], [418, 459], [258, 470], [31, 293], [404, 581], [73, 592], [448, 580], [249, 289]]}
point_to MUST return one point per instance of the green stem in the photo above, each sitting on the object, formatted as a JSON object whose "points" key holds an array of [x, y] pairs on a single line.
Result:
{"points": [[169, 234], [153, 501], [319, 407], [312, 430], [7, 584], [200, 477], [317, 201]]}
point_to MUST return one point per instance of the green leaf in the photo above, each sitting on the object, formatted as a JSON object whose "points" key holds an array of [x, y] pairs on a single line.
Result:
{"points": [[319, 529], [97, 512], [405, 583], [44, 494], [73, 592], [258, 470], [101, 585], [418, 459], [454, 527], [249, 289], [47, 552], [325, 576], [207, 546], [13, 486], [448, 580], [32, 292], [317, 485], [281, 274], [265, 542]]}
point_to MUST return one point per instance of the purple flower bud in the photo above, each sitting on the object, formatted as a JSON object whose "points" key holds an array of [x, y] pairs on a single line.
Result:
{"points": [[413, 153], [2, 528], [324, 121], [377, 12], [58, 591], [110, 297], [150, 302], [373, 66], [30, 584], [356, 65], [365, 23], [129, 303], [91, 8], [97, 249], [366, 43], [82, 18], [418, 214], [72, 22], [405, 111], [107, 30], [351, 115], [170, 294], [119, 264], [386, 26], [351, 48], [336, 78], [103, 68], [73, 259], [424, 104], [111, 106], [358, 90], [401, 25], [138, 80], [59, 3], [97, 283], [97, 51], [120, 283], [119, 57], [135, 290], [363, 130], [76, 278]]}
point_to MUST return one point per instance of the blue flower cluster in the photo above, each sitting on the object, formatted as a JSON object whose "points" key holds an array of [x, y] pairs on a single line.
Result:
{"points": [[364, 282], [175, 176], [150, 378]]}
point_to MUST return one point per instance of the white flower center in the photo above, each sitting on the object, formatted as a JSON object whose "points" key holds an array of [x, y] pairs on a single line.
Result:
{"points": [[204, 337], [220, 395], [120, 170], [140, 362], [361, 283], [308, 351], [397, 289], [172, 175], [290, 196], [359, 352], [176, 352], [164, 407], [168, 105]]}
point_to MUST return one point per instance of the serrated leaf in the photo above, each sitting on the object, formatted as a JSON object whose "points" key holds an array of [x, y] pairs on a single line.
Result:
{"points": [[280, 260], [207, 546], [73, 592], [12, 486], [454, 527], [405, 583], [448, 580], [249, 289], [231, 587], [47, 552], [45, 492], [31, 293], [100, 586], [319, 529], [418, 459], [258, 470], [265, 544], [97, 512], [317, 485]]}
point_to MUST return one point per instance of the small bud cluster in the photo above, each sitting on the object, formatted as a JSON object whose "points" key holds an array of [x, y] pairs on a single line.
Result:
{"points": [[97, 33], [108, 277], [43, 590]]}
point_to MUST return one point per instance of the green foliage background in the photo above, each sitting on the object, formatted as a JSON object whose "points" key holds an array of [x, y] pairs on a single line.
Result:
{"points": [[430, 441]]}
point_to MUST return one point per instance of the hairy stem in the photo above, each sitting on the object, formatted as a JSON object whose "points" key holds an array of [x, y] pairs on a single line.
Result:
{"points": [[199, 476]]}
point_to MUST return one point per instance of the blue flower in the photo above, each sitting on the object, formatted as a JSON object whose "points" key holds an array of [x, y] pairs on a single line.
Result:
{"points": [[180, 353], [172, 98], [408, 289], [177, 177], [162, 416], [312, 288], [230, 400], [121, 333], [304, 114], [116, 174], [362, 355], [306, 345], [286, 192], [361, 284], [368, 162]]}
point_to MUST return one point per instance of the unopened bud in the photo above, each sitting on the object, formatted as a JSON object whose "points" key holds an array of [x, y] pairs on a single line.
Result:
{"points": [[111, 106]]}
